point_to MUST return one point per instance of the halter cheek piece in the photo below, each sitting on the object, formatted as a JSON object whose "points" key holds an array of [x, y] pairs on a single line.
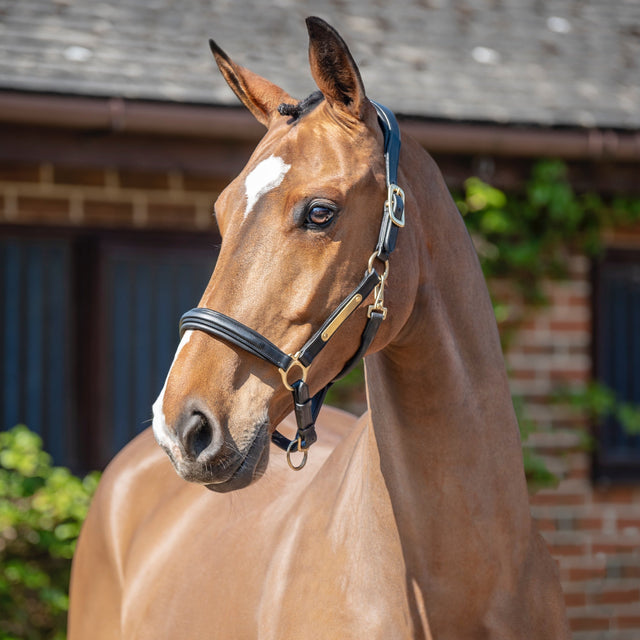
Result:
{"points": [[307, 407]]}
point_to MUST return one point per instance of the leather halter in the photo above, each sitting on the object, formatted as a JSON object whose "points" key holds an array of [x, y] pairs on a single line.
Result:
{"points": [[307, 407]]}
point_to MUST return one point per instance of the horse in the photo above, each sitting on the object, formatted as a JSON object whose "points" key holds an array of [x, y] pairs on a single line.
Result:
{"points": [[411, 521]]}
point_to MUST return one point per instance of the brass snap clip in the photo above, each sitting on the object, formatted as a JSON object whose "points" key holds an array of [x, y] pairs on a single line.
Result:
{"points": [[378, 303]]}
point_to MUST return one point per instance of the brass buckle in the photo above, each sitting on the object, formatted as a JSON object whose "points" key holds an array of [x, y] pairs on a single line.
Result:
{"points": [[284, 373], [394, 194]]}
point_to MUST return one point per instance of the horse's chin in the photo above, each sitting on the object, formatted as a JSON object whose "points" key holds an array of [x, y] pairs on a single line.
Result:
{"points": [[251, 467]]}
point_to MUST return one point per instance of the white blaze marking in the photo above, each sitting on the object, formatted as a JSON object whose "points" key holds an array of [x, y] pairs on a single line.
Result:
{"points": [[266, 176], [160, 429]]}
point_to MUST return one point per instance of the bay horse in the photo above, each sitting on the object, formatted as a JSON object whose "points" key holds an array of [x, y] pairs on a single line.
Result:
{"points": [[409, 522]]}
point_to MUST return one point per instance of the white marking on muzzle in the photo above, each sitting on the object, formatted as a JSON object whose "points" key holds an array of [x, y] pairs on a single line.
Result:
{"points": [[160, 429], [266, 176]]}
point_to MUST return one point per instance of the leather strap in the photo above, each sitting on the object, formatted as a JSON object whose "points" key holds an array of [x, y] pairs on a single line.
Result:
{"points": [[392, 139], [392, 142], [316, 343], [306, 410], [314, 404], [369, 333], [218, 325]]}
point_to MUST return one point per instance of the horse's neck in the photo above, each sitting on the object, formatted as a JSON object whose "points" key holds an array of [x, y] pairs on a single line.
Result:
{"points": [[440, 404]]}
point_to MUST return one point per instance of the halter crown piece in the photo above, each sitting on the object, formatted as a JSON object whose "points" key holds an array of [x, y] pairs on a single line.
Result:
{"points": [[306, 406]]}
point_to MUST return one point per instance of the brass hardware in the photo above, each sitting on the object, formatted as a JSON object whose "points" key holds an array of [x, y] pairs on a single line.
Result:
{"points": [[372, 258], [341, 317], [303, 450], [284, 373], [394, 194], [378, 303]]}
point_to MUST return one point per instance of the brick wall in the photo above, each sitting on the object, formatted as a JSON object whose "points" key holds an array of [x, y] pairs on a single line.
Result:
{"points": [[594, 533], [107, 198]]}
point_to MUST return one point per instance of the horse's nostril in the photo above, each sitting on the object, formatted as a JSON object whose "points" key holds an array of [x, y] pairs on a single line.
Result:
{"points": [[197, 435], [202, 436]]}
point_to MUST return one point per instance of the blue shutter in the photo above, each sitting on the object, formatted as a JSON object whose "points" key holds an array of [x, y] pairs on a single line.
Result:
{"points": [[35, 351], [147, 290], [618, 358]]}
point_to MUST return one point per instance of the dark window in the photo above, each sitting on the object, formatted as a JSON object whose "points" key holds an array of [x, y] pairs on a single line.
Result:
{"points": [[617, 357], [145, 292], [88, 330], [36, 352]]}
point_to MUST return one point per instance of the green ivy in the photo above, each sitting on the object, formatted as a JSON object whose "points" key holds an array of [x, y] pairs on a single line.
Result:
{"points": [[528, 237], [41, 511], [598, 402], [535, 468]]}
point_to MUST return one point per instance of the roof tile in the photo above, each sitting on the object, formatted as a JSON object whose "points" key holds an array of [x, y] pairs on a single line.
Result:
{"points": [[564, 62]]}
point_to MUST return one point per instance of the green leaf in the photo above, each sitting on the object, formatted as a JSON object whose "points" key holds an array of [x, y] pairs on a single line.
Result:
{"points": [[41, 512], [629, 417]]}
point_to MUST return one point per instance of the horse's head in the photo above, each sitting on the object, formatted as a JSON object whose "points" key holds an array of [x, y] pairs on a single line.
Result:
{"points": [[299, 225]]}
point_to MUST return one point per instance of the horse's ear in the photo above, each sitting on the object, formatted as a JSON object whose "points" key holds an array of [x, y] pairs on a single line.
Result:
{"points": [[260, 96], [334, 69]]}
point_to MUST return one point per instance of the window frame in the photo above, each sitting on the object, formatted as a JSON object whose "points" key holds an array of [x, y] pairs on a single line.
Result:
{"points": [[609, 466]]}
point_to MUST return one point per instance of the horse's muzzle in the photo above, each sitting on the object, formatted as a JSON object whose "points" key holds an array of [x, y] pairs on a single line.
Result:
{"points": [[207, 455]]}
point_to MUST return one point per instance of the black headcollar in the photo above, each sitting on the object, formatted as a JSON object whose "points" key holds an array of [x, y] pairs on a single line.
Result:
{"points": [[306, 406]]}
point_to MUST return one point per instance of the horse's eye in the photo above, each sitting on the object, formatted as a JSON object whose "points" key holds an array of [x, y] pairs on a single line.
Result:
{"points": [[319, 216]]}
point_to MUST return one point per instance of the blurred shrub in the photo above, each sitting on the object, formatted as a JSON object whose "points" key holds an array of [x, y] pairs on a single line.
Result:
{"points": [[41, 511]]}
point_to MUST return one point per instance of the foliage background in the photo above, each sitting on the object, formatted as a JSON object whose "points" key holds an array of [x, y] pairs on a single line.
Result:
{"points": [[41, 511]]}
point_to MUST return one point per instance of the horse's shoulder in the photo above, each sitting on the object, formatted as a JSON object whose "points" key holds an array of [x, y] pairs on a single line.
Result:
{"points": [[134, 484], [141, 473], [138, 472], [139, 488], [137, 459]]}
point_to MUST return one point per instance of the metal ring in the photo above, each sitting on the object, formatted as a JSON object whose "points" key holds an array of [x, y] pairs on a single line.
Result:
{"points": [[370, 268], [304, 451], [284, 373]]}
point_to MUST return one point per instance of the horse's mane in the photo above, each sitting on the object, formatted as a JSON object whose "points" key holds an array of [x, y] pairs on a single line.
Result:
{"points": [[296, 111]]}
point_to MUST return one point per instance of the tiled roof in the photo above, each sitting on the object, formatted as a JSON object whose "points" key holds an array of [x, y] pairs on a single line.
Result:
{"points": [[558, 62]]}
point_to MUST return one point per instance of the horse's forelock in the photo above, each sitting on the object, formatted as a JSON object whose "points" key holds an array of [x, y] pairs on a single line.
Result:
{"points": [[296, 111]]}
